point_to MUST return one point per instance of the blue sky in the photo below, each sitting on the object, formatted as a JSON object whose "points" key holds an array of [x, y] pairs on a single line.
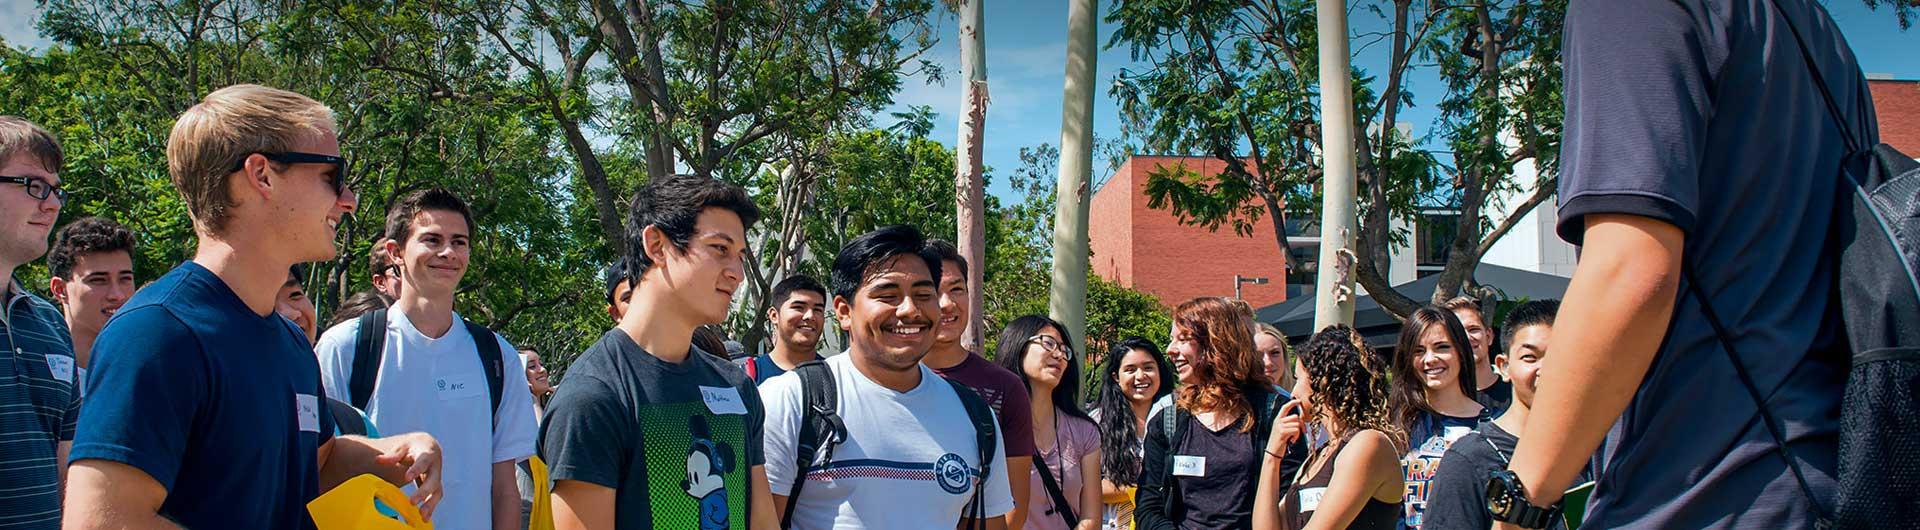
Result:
{"points": [[1026, 65], [1026, 68]]}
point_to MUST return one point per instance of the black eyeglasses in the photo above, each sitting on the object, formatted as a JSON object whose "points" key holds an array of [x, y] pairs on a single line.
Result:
{"points": [[1052, 345], [292, 157], [37, 187]]}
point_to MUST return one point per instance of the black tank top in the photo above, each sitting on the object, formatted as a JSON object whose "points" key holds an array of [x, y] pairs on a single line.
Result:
{"points": [[1304, 497]]}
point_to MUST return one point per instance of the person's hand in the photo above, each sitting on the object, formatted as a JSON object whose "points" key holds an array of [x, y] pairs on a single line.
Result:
{"points": [[1287, 428], [420, 453]]}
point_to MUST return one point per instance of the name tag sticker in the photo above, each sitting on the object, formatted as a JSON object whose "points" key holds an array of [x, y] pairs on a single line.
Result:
{"points": [[723, 400], [61, 366], [451, 387], [1189, 466], [1310, 498], [307, 407]]}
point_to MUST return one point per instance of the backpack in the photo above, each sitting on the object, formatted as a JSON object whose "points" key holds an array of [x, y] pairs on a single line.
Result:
{"points": [[1877, 234], [371, 342], [822, 428]]}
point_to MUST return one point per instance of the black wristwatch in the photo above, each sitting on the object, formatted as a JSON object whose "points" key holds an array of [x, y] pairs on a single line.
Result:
{"points": [[1507, 500]]}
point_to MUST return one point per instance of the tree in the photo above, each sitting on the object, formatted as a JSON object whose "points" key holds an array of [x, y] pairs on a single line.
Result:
{"points": [[1068, 303], [418, 101], [1227, 77], [969, 181]]}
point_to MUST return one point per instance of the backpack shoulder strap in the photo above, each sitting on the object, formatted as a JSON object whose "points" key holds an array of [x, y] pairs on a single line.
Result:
{"points": [[984, 434], [1175, 428], [1767, 419], [346, 419], [820, 426], [488, 347], [368, 345], [984, 430]]}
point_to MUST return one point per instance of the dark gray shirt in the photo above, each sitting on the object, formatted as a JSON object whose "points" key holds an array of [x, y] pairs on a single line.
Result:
{"points": [[1703, 115], [674, 440]]}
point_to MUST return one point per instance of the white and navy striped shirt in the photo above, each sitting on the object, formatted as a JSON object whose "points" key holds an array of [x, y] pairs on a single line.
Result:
{"points": [[39, 405]]}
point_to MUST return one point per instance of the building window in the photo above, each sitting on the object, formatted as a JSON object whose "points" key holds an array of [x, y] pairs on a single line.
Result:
{"points": [[1433, 239]]}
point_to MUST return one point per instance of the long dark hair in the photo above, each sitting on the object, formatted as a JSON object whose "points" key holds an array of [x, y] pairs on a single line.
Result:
{"points": [[1013, 352], [1409, 392], [1117, 437]]}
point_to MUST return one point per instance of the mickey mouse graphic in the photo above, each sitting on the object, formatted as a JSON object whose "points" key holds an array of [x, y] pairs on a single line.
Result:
{"points": [[708, 462]]}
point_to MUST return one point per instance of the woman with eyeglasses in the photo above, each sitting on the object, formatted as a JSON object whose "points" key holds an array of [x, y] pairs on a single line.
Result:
{"points": [[1066, 471], [1134, 376], [1203, 455]]}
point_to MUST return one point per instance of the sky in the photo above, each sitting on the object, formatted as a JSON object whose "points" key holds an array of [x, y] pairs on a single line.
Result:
{"points": [[1026, 66]]}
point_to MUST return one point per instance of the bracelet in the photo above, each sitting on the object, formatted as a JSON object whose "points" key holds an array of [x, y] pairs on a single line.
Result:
{"points": [[1270, 453]]}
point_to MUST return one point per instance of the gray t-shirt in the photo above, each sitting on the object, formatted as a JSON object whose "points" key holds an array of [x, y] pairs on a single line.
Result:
{"points": [[674, 440], [1703, 115]]}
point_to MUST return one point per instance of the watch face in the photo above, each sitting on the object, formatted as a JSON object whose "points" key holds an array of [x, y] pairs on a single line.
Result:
{"points": [[1498, 500]]}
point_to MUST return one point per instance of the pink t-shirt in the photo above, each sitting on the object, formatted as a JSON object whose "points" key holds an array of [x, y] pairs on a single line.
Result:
{"points": [[1077, 439]]}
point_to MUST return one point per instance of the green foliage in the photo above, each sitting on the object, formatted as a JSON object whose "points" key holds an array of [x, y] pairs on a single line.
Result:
{"points": [[1237, 81]]}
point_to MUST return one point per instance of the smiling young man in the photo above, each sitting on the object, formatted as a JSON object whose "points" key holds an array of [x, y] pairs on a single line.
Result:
{"points": [[1458, 498], [207, 410], [434, 371], [1493, 391], [619, 289], [39, 397], [647, 432], [911, 454], [90, 275], [292, 302], [1004, 390], [799, 311]]}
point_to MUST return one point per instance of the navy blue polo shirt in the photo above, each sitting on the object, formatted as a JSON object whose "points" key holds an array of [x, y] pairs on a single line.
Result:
{"points": [[1704, 115], [220, 405], [38, 406]]}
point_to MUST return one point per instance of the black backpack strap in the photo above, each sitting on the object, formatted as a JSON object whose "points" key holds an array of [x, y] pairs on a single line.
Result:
{"points": [[1854, 145], [1176, 428], [984, 434], [820, 426], [488, 348], [367, 347], [1825, 520], [346, 419]]}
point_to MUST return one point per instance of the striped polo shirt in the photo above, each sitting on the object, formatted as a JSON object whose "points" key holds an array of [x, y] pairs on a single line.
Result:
{"points": [[39, 405]]}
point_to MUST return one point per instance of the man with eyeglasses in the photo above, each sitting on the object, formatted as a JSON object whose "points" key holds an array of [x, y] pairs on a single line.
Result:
{"points": [[206, 410], [39, 398]]}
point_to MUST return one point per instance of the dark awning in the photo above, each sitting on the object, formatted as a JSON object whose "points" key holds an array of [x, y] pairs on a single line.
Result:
{"points": [[1294, 317]]}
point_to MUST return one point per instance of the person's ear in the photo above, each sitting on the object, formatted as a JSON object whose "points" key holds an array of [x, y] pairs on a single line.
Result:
{"points": [[655, 244], [58, 286], [254, 176], [1500, 366], [843, 307]]}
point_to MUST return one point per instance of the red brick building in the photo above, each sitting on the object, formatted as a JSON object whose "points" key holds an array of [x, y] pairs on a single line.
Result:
{"points": [[1896, 105], [1149, 250]]}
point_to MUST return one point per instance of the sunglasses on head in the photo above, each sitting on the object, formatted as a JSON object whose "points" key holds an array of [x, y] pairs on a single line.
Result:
{"points": [[339, 180]]}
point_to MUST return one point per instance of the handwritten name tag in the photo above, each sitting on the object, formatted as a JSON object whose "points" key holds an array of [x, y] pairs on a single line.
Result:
{"points": [[723, 400]]}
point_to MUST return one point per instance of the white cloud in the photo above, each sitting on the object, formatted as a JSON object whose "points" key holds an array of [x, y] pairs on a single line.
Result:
{"points": [[17, 18]]}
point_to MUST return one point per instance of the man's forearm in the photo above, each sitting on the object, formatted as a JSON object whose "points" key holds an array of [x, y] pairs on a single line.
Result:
{"points": [[1615, 315], [352, 456], [506, 497]]}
